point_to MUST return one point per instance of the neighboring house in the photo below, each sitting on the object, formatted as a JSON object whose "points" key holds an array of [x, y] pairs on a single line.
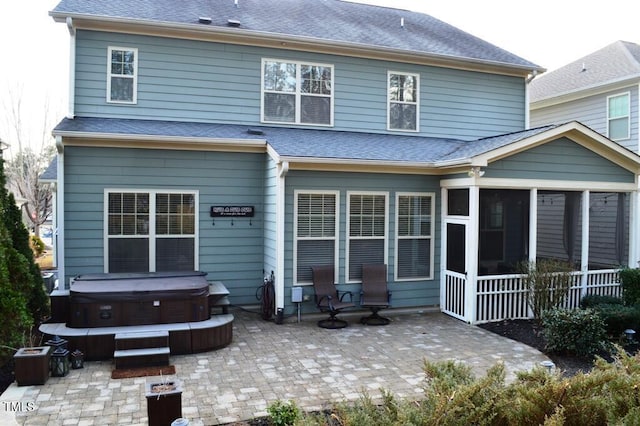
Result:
{"points": [[601, 90], [244, 138], [49, 177]]}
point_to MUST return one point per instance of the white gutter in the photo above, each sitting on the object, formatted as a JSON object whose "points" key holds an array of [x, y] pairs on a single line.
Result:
{"points": [[72, 68], [60, 216], [160, 138], [282, 169]]}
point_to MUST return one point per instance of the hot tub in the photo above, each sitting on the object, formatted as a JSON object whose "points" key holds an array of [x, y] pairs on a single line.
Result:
{"points": [[107, 300]]}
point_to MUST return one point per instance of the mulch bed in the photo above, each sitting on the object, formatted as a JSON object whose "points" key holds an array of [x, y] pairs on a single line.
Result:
{"points": [[126, 373]]}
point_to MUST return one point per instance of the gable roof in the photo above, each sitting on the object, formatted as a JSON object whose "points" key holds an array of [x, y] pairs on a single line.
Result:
{"points": [[315, 22], [51, 172], [353, 149], [616, 63]]}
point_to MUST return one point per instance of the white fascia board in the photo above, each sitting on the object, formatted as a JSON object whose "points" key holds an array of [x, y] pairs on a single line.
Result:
{"points": [[354, 162], [577, 132], [178, 140]]}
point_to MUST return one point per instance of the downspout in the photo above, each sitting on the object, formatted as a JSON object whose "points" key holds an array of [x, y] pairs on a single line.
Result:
{"points": [[527, 112], [72, 69], [62, 285], [283, 169]]}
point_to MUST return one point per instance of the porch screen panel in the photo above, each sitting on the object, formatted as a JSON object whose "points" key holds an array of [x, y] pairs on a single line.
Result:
{"points": [[367, 231], [608, 230], [315, 232], [559, 226]]}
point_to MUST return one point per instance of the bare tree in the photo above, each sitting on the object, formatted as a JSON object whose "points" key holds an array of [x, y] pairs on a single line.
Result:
{"points": [[31, 152]]}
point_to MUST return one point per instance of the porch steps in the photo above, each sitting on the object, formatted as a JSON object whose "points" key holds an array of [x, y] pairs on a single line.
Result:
{"points": [[140, 349]]}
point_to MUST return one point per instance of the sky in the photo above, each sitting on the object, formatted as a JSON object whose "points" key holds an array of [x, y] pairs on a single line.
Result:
{"points": [[549, 33]]}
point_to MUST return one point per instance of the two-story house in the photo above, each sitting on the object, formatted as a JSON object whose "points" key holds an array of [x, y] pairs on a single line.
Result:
{"points": [[246, 137], [601, 90]]}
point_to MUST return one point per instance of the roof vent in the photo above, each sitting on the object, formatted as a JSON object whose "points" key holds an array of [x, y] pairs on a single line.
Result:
{"points": [[255, 132], [204, 20], [402, 22], [235, 2], [584, 67], [233, 23]]}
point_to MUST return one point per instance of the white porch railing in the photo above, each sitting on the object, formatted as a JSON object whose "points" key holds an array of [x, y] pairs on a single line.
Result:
{"points": [[500, 297]]}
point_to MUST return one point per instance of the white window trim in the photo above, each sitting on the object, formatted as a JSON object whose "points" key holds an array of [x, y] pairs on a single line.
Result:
{"points": [[431, 236], [297, 93], [134, 99], [348, 227], [336, 237], [417, 102], [627, 116], [152, 224]]}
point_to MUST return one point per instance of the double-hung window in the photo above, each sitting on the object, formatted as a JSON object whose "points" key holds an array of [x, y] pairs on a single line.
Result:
{"points": [[149, 231], [297, 92], [403, 95], [316, 231], [414, 237], [122, 75], [367, 231], [618, 116]]}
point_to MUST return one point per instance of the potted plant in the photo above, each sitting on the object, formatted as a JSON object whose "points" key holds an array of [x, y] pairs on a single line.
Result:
{"points": [[164, 401], [32, 365]]}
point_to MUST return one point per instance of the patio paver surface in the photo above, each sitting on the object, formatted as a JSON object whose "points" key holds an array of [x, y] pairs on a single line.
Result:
{"points": [[266, 362]]}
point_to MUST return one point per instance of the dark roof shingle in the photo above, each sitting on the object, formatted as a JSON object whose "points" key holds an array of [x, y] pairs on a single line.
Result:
{"points": [[323, 20], [616, 62]]}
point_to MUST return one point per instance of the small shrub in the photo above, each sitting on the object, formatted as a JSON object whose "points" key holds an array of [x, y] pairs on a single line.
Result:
{"points": [[618, 318], [593, 300], [630, 279], [576, 331], [548, 282], [37, 245], [283, 413]]}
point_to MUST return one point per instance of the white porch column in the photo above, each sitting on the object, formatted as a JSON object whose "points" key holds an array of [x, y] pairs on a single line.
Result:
{"points": [[584, 263], [472, 254], [634, 229], [533, 224]]}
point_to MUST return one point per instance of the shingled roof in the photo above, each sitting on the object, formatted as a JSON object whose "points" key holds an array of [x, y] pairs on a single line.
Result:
{"points": [[322, 145], [337, 22], [615, 63]]}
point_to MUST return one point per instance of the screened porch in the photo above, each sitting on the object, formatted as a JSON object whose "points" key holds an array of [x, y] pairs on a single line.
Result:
{"points": [[489, 233]]}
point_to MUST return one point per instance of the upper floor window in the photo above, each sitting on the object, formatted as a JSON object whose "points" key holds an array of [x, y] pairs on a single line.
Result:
{"points": [[403, 95], [149, 231], [296, 92], [122, 75], [618, 116]]}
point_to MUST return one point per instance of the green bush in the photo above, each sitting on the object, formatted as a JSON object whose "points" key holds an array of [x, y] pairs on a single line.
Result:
{"points": [[37, 245], [609, 394], [575, 331], [283, 413], [630, 279], [593, 300], [618, 318]]}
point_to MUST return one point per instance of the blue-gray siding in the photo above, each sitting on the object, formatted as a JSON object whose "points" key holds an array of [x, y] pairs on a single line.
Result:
{"points": [[230, 250], [561, 159], [405, 293], [592, 112], [186, 80]]}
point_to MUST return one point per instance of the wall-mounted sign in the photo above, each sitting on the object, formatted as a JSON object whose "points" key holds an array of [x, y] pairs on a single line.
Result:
{"points": [[232, 211]]}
